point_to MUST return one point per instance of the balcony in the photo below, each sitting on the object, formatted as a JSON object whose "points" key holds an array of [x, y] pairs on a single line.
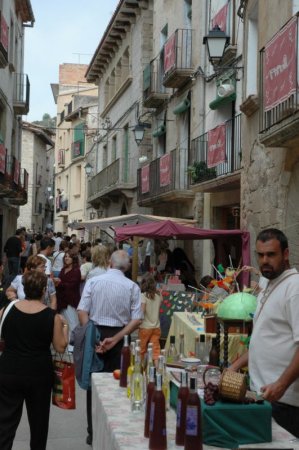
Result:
{"points": [[164, 179], [22, 190], [21, 94], [62, 206], [178, 66], [279, 108], [7, 185], [112, 182], [154, 92], [13, 179], [224, 175]]}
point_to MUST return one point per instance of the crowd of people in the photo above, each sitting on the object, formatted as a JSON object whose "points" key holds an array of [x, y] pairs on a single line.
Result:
{"points": [[62, 283]]}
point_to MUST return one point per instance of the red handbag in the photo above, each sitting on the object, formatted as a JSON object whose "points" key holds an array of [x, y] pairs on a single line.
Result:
{"points": [[64, 390]]}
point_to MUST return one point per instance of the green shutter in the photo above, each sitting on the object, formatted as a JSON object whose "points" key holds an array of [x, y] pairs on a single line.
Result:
{"points": [[79, 141], [147, 77]]}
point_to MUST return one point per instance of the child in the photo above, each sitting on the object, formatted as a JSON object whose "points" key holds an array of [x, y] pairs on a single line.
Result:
{"points": [[149, 330]]}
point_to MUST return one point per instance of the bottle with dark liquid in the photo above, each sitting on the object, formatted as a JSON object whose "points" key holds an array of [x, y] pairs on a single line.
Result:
{"points": [[124, 362], [181, 410], [158, 438], [193, 433], [214, 354], [149, 394]]}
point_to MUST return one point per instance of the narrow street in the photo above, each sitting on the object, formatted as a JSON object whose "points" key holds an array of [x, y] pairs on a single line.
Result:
{"points": [[67, 429]]}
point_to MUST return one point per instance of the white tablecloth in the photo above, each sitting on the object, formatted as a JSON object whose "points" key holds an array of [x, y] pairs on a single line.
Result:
{"points": [[116, 427]]}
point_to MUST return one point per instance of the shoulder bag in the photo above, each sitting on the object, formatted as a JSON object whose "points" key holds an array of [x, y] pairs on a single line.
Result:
{"points": [[4, 314]]}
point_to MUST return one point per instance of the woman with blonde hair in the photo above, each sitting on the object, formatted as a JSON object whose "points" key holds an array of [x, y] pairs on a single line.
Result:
{"points": [[100, 257]]}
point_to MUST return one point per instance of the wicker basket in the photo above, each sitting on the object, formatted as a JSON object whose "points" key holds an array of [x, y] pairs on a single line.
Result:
{"points": [[232, 386]]}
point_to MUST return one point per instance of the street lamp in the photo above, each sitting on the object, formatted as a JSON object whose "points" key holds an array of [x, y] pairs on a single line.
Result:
{"points": [[216, 41], [139, 131], [88, 169]]}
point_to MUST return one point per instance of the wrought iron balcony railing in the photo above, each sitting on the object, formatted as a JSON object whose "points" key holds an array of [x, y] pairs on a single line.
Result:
{"points": [[178, 64], [21, 93], [198, 169], [164, 175], [118, 175], [154, 92]]}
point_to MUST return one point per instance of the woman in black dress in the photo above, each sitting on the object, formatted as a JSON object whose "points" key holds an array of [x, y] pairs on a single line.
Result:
{"points": [[26, 371]]}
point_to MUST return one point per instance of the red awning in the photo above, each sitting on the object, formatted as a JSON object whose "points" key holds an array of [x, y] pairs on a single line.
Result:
{"points": [[170, 230]]}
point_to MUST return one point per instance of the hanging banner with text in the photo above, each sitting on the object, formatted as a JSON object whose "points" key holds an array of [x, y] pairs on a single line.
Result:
{"points": [[2, 158], [280, 61], [145, 179], [165, 170], [220, 18], [169, 53], [216, 146]]}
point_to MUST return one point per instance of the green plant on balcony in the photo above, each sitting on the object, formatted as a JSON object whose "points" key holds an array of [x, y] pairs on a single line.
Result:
{"points": [[199, 171]]}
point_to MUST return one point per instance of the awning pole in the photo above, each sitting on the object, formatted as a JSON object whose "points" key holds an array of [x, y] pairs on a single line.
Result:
{"points": [[135, 258]]}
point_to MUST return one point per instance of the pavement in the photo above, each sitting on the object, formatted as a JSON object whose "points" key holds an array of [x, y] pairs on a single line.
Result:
{"points": [[67, 429]]}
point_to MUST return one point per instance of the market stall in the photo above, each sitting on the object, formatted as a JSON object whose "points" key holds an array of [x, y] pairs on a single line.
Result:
{"points": [[169, 229], [116, 427]]}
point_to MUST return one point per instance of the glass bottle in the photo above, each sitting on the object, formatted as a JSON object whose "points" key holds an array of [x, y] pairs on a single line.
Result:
{"points": [[181, 409], [181, 347], [214, 354], [150, 362], [149, 393], [193, 433], [137, 389], [157, 436], [197, 347], [202, 347], [172, 354], [131, 369], [124, 362], [165, 380]]}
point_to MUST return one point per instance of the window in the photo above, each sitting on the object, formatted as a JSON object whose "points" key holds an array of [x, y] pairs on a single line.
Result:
{"points": [[114, 149], [77, 181]]}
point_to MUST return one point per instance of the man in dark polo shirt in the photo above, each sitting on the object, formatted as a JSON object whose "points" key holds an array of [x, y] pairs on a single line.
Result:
{"points": [[13, 249]]}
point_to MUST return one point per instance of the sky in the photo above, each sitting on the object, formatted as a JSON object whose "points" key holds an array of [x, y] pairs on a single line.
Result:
{"points": [[65, 31]]}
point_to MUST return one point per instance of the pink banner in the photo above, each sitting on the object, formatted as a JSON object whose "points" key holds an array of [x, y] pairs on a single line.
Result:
{"points": [[3, 33], [169, 53], [216, 146], [145, 179], [165, 170], [280, 69], [220, 18], [16, 173], [2, 158]]}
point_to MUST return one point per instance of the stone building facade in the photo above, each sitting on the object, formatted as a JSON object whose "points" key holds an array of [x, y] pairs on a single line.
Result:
{"points": [[73, 97], [38, 160], [270, 132], [15, 16]]}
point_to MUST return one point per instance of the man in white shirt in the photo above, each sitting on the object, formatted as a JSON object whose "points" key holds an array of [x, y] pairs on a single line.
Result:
{"points": [[273, 357], [113, 303], [46, 249]]}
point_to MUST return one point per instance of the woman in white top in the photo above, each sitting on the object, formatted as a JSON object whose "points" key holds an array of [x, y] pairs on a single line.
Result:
{"points": [[57, 263]]}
